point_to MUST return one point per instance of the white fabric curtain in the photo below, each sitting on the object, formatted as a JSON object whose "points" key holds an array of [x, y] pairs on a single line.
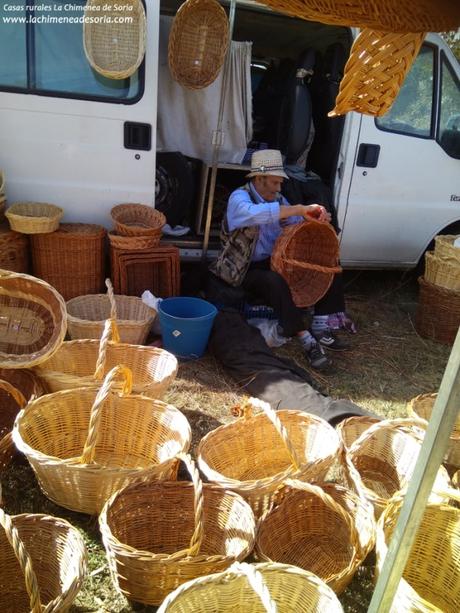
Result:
{"points": [[187, 118]]}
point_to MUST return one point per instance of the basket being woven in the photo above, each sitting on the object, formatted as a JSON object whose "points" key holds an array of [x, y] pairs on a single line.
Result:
{"points": [[115, 43], [438, 312], [256, 453], [160, 534], [254, 588], [14, 250], [441, 272], [198, 42], [43, 562], [138, 220], [105, 439], [34, 217], [33, 320], [306, 255], [444, 248]]}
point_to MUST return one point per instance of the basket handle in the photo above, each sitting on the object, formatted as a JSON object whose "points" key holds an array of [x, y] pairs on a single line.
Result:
{"points": [[257, 582], [24, 561], [197, 536], [403, 423], [110, 333], [109, 385], [111, 295], [16, 394]]}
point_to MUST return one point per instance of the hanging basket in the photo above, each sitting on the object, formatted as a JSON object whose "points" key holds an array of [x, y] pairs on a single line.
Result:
{"points": [[256, 453], [306, 255], [160, 534], [34, 217], [198, 42], [43, 562], [253, 588], [441, 272], [138, 220], [115, 43], [33, 320], [444, 248], [85, 444]]}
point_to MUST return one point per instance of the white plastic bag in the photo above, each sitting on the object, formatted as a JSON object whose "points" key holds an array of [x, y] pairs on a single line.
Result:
{"points": [[152, 301], [269, 330]]}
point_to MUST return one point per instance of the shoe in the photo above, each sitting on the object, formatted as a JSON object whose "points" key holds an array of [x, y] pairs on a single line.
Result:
{"points": [[316, 356], [327, 339]]}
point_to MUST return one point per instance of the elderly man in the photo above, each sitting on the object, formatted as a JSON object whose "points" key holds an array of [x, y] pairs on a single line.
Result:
{"points": [[255, 215]]}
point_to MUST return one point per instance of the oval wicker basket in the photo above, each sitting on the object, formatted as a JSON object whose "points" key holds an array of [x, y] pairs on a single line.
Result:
{"points": [[441, 272], [158, 535], [138, 220], [34, 217], [86, 316], [444, 247], [306, 255], [254, 588], [255, 454], [134, 243], [198, 42], [115, 47], [33, 322], [425, 587], [105, 439], [43, 562], [14, 250]]}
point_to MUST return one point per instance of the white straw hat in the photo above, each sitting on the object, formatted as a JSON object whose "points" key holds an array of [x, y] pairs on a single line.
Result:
{"points": [[267, 162]]}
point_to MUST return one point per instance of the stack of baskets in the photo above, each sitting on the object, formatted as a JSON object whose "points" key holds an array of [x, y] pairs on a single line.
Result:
{"points": [[438, 313]]}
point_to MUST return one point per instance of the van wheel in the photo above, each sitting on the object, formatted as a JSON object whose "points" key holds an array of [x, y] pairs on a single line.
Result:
{"points": [[173, 187]]}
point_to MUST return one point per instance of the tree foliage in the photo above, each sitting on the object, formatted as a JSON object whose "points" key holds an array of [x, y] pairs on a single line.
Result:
{"points": [[452, 38]]}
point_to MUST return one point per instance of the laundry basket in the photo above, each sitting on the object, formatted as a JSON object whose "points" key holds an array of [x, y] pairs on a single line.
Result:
{"points": [[160, 534], [84, 444]]}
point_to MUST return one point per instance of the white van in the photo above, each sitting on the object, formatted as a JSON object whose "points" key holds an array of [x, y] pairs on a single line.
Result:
{"points": [[71, 137]]}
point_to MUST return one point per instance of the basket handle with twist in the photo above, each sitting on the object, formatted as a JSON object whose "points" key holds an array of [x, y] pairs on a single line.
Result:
{"points": [[110, 333], [257, 582], [197, 536], [109, 385]]}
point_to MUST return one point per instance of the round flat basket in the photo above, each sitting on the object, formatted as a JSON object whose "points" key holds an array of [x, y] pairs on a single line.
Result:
{"points": [[306, 255], [115, 43], [198, 43], [34, 217], [253, 588], [33, 323], [138, 220]]}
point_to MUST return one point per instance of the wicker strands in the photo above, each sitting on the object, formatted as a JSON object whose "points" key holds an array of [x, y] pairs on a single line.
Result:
{"points": [[85, 362], [86, 316], [444, 248], [256, 453], [442, 272], [431, 578], [14, 250], [198, 42], [375, 71], [438, 312], [72, 259], [307, 256], [34, 217], [138, 220], [32, 321], [253, 588], [84, 444], [132, 243], [43, 562], [161, 534], [115, 45]]}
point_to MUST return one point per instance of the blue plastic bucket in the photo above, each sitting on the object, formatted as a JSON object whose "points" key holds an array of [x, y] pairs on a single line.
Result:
{"points": [[185, 325]]}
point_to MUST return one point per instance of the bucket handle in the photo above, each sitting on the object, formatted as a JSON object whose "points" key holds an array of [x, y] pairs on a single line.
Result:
{"points": [[110, 333]]}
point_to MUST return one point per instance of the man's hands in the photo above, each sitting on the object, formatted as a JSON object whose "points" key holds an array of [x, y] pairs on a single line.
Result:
{"points": [[314, 211]]}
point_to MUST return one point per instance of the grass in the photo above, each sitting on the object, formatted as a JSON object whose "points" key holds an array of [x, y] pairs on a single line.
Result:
{"points": [[390, 363]]}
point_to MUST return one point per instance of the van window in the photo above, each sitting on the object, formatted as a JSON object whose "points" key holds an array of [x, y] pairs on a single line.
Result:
{"points": [[449, 116], [48, 57], [411, 112]]}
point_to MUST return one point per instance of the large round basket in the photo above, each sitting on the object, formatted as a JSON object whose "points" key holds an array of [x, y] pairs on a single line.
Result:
{"points": [[85, 362], [256, 453], [306, 255], [254, 588], [422, 406], [158, 535], [198, 42], [438, 312], [85, 444], [14, 250], [115, 43], [444, 248], [34, 217], [33, 320], [43, 562], [441, 272], [86, 316], [138, 220], [425, 587]]}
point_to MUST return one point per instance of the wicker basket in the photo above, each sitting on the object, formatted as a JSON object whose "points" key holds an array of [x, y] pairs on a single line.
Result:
{"points": [[255, 454], [442, 272], [161, 534], [85, 362], [138, 220], [14, 250], [43, 562], [72, 259], [422, 406], [34, 217], [114, 48], [431, 578], [351, 428], [23, 380], [120, 437], [198, 42], [33, 322], [307, 256], [444, 248], [11, 402], [86, 316], [132, 243], [438, 312], [254, 588]]}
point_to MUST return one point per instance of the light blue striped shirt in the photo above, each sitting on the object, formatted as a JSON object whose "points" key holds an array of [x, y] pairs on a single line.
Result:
{"points": [[243, 212]]}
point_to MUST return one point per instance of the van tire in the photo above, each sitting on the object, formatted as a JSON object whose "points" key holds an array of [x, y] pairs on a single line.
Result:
{"points": [[173, 187]]}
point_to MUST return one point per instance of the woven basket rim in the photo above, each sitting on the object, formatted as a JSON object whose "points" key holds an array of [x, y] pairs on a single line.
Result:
{"points": [[16, 210], [150, 313]]}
